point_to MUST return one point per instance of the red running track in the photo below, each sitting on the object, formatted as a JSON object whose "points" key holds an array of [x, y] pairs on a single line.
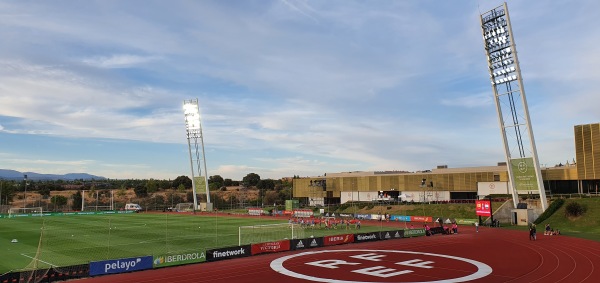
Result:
{"points": [[490, 255]]}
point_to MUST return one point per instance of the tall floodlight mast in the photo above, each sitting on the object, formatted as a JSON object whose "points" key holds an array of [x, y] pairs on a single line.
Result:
{"points": [[509, 96], [193, 127]]}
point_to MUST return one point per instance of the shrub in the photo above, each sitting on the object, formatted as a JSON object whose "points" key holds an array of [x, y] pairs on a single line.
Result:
{"points": [[553, 207], [575, 209]]}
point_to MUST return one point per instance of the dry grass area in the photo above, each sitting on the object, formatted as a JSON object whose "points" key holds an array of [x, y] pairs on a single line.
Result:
{"points": [[124, 196]]}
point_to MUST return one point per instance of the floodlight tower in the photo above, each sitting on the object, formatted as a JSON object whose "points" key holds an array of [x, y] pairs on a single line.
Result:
{"points": [[511, 104], [195, 139]]}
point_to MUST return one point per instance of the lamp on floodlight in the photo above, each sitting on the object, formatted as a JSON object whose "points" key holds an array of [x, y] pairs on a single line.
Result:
{"points": [[193, 125]]}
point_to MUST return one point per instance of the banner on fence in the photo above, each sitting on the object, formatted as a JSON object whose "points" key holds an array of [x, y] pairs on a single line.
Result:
{"points": [[299, 244], [178, 259], [421, 218], [366, 237], [270, 247], [338, 239], [414, 233], [115, 266], [388, 235], [400, 218], [229, 252]]}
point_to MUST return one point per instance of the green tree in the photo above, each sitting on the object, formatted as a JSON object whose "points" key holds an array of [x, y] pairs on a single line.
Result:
{"points": [[121, 192], [140, 191], [7, 192], [228, 182], [285, 194], [58, 201], [217, 180], [77, 199], [213, 186], [266, 184], [182, 180], [251, 179], [151, 186]]}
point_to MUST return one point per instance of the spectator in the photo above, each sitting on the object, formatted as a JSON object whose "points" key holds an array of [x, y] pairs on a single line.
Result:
{"points": [[532, 232], [548, 230], [454, 228]]}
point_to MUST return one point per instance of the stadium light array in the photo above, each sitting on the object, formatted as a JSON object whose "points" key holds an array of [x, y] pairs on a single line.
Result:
{"points": [[507, 84]]}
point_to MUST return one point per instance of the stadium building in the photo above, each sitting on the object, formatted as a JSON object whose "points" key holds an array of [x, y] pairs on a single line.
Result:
{"points": [[444, 184]]}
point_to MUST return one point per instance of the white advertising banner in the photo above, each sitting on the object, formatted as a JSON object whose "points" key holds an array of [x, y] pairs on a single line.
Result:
{"points": [[357, 196], [425, 196], [316, 201], [492, 188]]}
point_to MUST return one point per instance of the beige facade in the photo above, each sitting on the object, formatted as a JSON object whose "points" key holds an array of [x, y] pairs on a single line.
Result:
{"points": [[451, 179], [587, 150], [582, 177]]}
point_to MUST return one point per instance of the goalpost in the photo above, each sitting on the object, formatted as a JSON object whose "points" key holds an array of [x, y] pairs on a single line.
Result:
{"points": [[33, 211], [184, 207], [109, 207], [269, 233]]}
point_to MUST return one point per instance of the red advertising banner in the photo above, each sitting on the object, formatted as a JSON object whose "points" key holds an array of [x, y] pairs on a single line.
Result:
{"points": [[483, 208], [421, 219], [338, 239], [271, 247]]}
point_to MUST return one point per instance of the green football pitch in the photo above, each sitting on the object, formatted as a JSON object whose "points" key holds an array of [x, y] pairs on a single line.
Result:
{"points": [[58, 241]]}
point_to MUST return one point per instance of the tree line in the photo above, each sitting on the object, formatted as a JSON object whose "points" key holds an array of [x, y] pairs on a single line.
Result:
{"points": [[145, 189]]}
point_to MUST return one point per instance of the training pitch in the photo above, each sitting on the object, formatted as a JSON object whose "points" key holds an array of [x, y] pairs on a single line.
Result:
{"points": [[58, 241]]}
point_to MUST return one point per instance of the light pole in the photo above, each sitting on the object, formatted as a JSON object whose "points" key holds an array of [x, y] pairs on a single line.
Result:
{"points": [[25, 193]]}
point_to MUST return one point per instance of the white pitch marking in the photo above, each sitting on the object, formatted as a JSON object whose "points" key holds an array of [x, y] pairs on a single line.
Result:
{"points": [[483, 269], [39, 260]]}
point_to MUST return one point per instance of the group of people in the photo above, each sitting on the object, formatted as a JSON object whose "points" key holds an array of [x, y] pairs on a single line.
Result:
{"points": [[328, 223], [550, 231], [453, 229]]}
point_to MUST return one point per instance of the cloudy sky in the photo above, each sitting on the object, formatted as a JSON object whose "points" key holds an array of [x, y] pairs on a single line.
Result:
{"points": [[288, 87]]}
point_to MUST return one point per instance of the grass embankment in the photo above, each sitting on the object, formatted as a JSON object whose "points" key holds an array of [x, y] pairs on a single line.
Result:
{"points": [[451, 210], [586, 226]]}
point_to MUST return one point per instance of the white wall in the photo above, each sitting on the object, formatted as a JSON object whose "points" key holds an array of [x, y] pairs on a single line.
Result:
{"points": [[357, 196], [316, 201], [492, 188], [427, 196]]}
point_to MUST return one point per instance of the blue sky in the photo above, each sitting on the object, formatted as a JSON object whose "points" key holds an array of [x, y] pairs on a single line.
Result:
{"points": [[288, 87]]}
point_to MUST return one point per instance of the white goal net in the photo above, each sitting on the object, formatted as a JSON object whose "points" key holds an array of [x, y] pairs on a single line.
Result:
{"points": [[184, 207], [269, 233], [17, 211]]}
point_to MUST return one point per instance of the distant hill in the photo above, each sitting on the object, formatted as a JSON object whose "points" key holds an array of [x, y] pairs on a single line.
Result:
{"points": [[16, 175]]}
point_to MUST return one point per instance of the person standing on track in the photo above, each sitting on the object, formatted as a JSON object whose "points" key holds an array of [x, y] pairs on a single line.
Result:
{"points": [[532, 232]]}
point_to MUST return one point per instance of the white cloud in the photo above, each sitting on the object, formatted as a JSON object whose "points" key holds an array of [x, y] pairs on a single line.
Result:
{"points": [[471, 101], [118, 60], [337, 85]]}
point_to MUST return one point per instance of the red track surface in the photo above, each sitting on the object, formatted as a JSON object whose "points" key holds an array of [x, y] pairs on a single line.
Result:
{"points": [[510, 254]]}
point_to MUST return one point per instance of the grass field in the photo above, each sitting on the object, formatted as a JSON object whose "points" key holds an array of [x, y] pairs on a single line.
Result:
{"points": [[71, 240]]}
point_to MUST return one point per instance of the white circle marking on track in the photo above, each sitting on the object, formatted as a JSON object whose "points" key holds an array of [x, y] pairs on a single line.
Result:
{"points": [[482, 268]]}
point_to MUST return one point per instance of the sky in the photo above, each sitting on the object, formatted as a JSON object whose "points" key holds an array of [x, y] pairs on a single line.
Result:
{"points": [[285, 88]]}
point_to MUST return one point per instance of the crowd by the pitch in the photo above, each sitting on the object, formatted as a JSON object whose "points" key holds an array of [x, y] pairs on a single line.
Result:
{"points": [[326, 222]]}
